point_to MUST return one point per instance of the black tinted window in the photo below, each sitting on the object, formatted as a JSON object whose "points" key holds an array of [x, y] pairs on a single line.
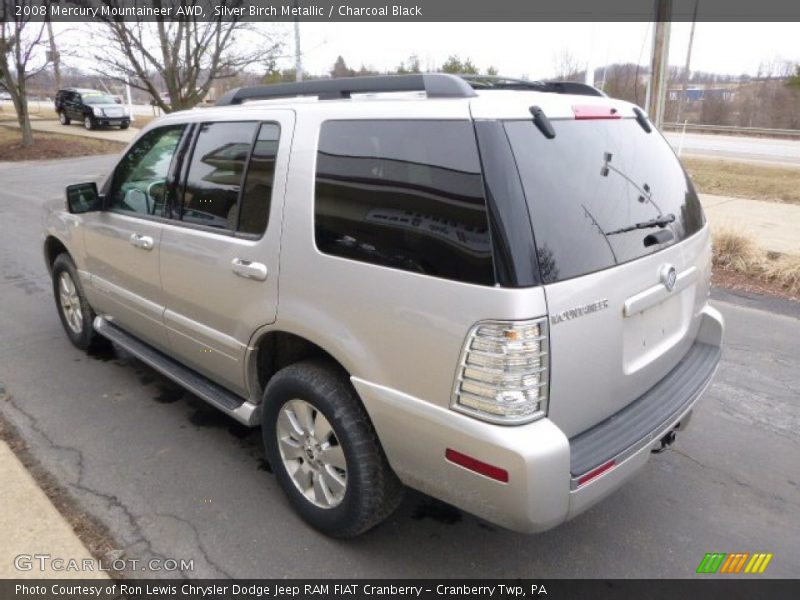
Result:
{"points": [[590, 186], [404, 194], [215, 174], [140, 179], [257, 192]]}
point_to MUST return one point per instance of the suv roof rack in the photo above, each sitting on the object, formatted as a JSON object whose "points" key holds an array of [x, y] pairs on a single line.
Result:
{"points": [[435, 85], [490, 82]]}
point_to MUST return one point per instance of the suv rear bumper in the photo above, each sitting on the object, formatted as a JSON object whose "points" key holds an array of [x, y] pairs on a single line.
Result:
{"points": [[542, 490]]}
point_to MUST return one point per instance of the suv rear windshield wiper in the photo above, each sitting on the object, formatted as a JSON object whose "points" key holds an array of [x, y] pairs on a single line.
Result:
{"points": [[661, 221]]}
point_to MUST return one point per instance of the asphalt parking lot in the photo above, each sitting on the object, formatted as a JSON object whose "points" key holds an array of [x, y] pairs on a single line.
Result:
{"points": [[171, 478]]}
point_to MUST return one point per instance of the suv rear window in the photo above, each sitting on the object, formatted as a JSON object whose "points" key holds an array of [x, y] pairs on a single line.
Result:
{"points": [[404, 194], [593, 180]]}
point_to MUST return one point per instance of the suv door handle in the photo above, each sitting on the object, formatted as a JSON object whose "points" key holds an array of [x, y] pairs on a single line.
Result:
{"points": [[145, 242], [248, 269]]}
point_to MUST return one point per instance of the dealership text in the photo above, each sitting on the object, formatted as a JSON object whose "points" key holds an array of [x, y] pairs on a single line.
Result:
{"points": [[278, 590]]}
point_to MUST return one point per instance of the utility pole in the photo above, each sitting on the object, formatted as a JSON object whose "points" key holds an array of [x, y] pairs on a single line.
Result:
{"points": [[589, 78], [298, 60], [658, 62], [685, 83]]}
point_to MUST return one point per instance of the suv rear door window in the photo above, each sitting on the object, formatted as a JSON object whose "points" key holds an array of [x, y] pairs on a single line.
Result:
{"points": [[589, 187], [404, 194], [215, 173], [257, 190]]}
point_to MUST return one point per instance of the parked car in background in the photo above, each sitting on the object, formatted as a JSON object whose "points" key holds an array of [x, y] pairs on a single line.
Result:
{"points": [[90, 107], [164, 97]]}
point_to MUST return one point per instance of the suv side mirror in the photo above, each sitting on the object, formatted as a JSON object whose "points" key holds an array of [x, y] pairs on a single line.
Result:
{"points": [[83, 198]]}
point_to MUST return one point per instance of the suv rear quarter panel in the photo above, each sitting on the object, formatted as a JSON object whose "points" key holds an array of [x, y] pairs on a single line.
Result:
{"points": [[389, 327]]}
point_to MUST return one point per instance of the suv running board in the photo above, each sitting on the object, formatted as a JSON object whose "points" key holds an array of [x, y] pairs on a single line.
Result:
{"points": [[232, 405]]}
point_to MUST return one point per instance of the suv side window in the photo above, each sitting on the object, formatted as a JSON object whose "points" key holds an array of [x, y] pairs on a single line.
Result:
{"points": [[215, 174], [140, 180], [257, 190], [404, 194]]}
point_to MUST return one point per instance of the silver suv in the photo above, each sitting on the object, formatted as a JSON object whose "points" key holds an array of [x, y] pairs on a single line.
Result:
{"points": [[493, 291]]}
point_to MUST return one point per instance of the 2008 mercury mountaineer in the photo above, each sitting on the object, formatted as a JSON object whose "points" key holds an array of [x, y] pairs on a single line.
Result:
{"points": [[490, 290]]}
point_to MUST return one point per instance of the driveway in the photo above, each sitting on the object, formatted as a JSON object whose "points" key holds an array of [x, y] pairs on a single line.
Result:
{"points": [[113, 134]]}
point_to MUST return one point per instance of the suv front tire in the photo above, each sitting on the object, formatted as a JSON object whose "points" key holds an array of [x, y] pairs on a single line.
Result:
{"points": [[324, 451], [88, 122], [73, 309]]}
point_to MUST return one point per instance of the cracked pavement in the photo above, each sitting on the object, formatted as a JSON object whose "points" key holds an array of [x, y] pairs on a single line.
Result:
{"points": [[171, 478]]}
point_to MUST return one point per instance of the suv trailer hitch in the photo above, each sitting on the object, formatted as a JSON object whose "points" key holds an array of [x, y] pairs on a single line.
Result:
{"points": [[666, 441]]}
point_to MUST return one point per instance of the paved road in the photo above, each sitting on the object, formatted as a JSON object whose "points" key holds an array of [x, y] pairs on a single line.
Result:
{"points": [[761, 150], [172, 478]]}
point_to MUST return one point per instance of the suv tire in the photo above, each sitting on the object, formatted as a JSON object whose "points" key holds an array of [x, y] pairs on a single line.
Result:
{"points": [[124, 125], [318, 436], [63, 118], [73, 309], [88, 122]]}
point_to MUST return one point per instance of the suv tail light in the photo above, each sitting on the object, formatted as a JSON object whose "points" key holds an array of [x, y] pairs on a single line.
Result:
{"points": [[503, 373]]}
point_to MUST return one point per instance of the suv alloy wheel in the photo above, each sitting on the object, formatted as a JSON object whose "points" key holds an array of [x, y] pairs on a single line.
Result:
{"points": [[73, 308], [324, 451]]}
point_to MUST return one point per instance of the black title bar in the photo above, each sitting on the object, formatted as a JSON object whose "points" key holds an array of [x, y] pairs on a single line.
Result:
{"points": [[732, 588], [399, 10]]}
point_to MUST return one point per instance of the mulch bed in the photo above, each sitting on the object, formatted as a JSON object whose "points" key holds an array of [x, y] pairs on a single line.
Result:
{"points": [[733, 280]]}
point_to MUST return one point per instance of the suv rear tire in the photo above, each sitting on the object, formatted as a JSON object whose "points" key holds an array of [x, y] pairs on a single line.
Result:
{"points": [[73, 309], [88, 122], [325, 452], [124, 125], [63, 118]]}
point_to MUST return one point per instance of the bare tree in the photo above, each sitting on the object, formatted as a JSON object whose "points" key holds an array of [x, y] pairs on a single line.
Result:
{"points": [[186, 52], [411, 67], [567, 67], [715, 109], [625, 81], [794, 80], [19, 50]]}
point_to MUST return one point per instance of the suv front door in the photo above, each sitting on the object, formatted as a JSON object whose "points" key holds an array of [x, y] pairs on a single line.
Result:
{"points": [[122, 242], [219, 257]]}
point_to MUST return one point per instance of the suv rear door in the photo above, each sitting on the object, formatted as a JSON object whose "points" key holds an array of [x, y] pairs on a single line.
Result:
{"points": [[219, 254], [73, 107], [617, 324]]}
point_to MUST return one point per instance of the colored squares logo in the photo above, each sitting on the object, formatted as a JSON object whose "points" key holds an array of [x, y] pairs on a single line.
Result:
{"points": [[734, 563]]}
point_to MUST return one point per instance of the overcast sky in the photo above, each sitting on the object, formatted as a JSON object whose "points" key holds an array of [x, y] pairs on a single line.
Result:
{"points": [[530, 48]]}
